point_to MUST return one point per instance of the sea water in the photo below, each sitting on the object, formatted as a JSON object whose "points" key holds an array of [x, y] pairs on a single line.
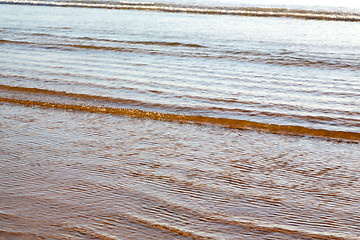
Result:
{"points": [[179, 120]]}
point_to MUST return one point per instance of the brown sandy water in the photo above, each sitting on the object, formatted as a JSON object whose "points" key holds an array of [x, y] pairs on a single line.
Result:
{"points": [[77, 175], [129, 124]]}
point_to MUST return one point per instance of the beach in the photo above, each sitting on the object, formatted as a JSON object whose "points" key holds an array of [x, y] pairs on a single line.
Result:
{"points": [[125, 123]]}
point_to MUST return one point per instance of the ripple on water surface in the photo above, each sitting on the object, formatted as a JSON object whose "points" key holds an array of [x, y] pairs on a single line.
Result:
{"points": [[79, 175]]}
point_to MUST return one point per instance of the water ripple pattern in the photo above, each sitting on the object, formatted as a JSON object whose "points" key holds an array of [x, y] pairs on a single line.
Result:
{"points": [[75, 175], [178, 120], [269, 71]]}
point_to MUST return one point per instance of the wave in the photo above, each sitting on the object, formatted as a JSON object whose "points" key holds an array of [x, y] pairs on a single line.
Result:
{"points": [[19, 235], [240, 223], [288, 230], [165, 227], [152, 43], [345, 136], [90, 233], [177, 8], [340, 117], [200, 51]]}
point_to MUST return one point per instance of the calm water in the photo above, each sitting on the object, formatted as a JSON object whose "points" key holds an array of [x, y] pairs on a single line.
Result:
{"points": [[179, 120]]}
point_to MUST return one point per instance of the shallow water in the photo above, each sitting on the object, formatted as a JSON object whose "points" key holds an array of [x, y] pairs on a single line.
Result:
{"points": [[131, 124], [268, 70], [76, 175]]}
